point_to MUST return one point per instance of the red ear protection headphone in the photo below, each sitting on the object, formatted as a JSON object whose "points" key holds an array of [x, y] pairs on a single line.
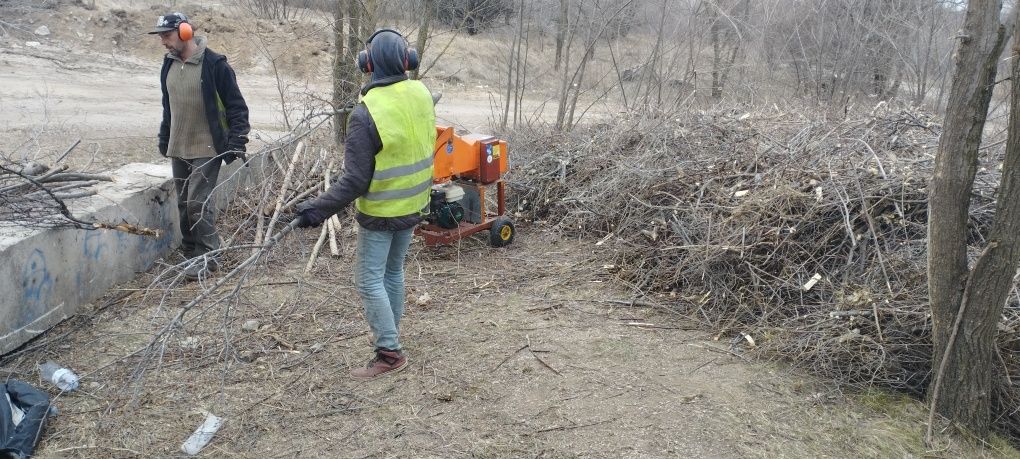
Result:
{"points": [[184, 31], [365, 55]]}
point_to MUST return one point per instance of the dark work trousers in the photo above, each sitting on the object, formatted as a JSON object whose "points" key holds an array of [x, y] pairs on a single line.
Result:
{"points": [[195, 180]]}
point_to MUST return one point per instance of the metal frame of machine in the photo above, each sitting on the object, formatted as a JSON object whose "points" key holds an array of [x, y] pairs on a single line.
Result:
{"points": [[476, 162]]}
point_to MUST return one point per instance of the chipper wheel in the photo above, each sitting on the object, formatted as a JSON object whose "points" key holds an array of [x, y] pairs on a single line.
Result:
{"points": [[502, 232]]}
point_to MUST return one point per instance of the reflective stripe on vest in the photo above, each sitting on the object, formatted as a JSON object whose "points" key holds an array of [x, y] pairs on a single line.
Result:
{"points": [[405, 118]]}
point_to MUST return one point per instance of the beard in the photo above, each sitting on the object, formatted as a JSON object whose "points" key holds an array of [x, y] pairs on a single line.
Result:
{"points": [[175, 51]]}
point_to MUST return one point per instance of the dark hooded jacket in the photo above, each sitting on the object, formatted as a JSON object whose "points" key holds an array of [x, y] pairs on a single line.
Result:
{"points": [[227, 114], [363, 142]]}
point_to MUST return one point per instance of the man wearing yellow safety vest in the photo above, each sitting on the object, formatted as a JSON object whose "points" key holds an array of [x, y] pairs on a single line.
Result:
{"points": [[388, 175]]}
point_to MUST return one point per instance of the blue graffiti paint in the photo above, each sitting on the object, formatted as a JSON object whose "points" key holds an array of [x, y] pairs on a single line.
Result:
{"points": [[36, 287], [94, 244]]}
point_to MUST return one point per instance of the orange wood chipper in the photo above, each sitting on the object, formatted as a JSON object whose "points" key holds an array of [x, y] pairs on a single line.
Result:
{"points": [[466, 167]]}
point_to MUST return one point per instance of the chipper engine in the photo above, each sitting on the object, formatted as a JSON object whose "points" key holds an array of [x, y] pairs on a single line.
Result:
{"points": [[466, 168]]}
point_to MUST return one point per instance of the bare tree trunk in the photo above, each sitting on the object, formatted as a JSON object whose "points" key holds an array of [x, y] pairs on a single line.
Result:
{"points": [[470, 17], [579, 78], [354, 32], [368, 17], [428, 8], [723, 38], [566, 79], [345, 71], [716, 50], [339, 74], [922, 84], [653, 70], [992, 278], [891, 91], [725, 73], [619, 75], [522, 67], [571, 85], [561, 31], [963, 316], [692, 60], [513, 64]]}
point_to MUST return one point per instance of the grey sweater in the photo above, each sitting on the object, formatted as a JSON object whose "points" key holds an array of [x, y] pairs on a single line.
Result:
{"points": [[189, 130]]}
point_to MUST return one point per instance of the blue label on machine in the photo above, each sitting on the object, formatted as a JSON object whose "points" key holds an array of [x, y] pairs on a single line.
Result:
{"points": [[449, 148], [488, 149]]}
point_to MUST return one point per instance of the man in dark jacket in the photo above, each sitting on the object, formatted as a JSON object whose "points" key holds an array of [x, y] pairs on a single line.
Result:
{"points": [[205, 122], [391, 135]]}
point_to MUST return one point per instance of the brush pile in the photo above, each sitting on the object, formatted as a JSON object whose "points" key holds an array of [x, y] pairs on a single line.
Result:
{"points": [[295, 168], [33, 194], [796, 237], [254, 227]]}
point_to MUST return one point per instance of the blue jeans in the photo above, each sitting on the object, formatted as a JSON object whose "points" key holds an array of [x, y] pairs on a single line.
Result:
{"points": [[380, 279]]}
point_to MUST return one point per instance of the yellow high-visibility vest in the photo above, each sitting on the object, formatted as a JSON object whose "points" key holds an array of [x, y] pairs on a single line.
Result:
{"points": [[405, 116]]}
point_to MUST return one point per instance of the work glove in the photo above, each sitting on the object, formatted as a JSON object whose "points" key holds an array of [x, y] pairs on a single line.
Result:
{"points": [[233, 153], [309, 217], [230, 156]]}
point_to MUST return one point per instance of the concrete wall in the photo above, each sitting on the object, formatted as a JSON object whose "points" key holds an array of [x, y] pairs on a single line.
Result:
{"points": [[47, 274]]}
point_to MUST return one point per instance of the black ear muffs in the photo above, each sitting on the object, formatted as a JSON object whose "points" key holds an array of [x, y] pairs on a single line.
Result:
{"points": [[185, 32], [364, 63], [411, 59], [365, 55]]}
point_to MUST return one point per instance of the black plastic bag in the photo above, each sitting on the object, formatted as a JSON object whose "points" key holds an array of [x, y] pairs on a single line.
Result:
{"points": [[18, 440]]}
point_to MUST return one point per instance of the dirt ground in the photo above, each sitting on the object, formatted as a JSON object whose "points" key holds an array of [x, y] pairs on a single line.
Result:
{"points": [[100, 84], [52, 97], [528, 351]]}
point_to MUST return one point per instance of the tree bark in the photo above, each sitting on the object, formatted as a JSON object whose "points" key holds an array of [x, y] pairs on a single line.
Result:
{"points": [[513, 65], [714, 33], [354, 32], [961, 389], [428, 8], [345, 71], [561, 32], [339, 40], [368, 17]]}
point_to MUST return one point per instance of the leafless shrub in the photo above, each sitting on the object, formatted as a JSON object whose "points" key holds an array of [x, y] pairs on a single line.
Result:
{"points": [[280, 10], [805, 234], [476, 15]]}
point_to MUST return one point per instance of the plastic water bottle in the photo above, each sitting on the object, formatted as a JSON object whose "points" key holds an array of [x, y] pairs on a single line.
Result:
{"points": [[61, 377]]}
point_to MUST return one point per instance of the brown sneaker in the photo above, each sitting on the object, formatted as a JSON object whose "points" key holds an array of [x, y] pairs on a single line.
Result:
{"points": [[385, 362]]}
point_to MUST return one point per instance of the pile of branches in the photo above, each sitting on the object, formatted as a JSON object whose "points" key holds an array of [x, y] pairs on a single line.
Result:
{"points": [[298, 167], [33, 194], [796, 237], [279, 176]]}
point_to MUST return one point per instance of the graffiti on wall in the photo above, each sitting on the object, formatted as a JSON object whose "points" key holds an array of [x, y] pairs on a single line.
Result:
{"points": [[36, 287], [93, 245]]}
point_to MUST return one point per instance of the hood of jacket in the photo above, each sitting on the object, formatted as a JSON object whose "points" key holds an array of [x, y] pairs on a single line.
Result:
{"points": [[387, 53]]}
